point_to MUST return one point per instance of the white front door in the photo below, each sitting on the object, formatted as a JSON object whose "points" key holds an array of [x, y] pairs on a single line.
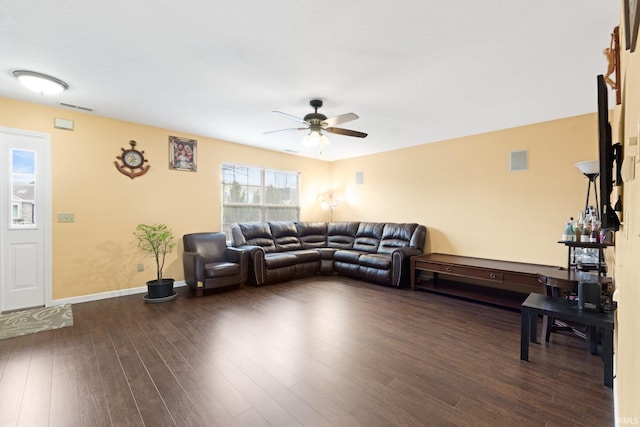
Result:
{"points": [[25, 220]]}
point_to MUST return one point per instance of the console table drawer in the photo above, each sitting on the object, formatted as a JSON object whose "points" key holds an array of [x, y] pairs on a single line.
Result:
{"points": [[429, 266], [476, 273]]}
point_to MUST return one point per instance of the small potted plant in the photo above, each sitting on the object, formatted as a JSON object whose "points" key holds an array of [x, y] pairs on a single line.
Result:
{"points": [[157, 240]]}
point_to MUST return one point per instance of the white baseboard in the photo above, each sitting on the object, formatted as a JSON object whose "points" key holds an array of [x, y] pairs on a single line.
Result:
{"points": [[110, 294]]}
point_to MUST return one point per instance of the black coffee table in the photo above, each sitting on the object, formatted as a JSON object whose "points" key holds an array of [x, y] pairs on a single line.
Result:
{"points": [[558, 308]]}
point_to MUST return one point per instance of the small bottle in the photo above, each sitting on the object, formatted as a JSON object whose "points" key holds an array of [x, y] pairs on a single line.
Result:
{"points": [[566, 234], [593, 237], [577, 231], [573, 229], [586, 233]]}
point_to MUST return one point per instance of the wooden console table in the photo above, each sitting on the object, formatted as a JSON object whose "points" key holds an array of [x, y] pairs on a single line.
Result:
{"points": [[504, 283]]}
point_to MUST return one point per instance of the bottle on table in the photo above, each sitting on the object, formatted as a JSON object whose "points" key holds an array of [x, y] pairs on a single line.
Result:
{"points": [[594, 236], [586, 233], [567, 235], [579, 228]]}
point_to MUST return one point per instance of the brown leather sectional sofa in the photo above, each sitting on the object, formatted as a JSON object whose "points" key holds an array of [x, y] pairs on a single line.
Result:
{"points": [[371, 251]]}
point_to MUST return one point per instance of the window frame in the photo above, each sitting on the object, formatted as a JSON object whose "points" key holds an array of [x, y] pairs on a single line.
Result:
{"points": [[263, 209]]}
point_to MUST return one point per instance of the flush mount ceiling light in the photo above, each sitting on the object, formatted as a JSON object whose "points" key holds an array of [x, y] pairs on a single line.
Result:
{"points": [[40, 83]]}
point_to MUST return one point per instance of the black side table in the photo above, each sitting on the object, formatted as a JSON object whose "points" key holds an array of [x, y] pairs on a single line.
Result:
{"points": [[556, 307]]}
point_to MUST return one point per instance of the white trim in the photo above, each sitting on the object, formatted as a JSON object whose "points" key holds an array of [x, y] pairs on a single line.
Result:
{"points": [[110, 294]]}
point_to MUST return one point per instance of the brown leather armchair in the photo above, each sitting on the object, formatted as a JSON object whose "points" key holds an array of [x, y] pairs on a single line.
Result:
{"points": [[209, 263]]}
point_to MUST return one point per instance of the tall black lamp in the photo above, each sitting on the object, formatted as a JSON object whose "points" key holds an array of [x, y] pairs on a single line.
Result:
{"points": [[590, 169]]}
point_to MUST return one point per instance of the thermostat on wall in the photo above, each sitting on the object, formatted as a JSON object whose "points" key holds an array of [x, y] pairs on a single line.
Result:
{"points": [[63, 124]]}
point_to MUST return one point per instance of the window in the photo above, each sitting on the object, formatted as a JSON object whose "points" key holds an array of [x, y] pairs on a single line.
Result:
{"points": [[251, 194], [23, 188]]}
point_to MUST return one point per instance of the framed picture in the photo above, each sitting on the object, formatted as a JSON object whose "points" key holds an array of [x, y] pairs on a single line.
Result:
{"points": [[631, 21], [182, 153]]}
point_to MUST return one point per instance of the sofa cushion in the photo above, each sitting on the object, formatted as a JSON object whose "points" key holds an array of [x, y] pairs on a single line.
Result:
{"points": [[382, 261], [285, 236], [368, 237], [348, 256], [396, 236], [258, 234], [327, 253], [221, 269], [312, 234], [211, 246], [341, 234], [306, 255], [279, 259]]}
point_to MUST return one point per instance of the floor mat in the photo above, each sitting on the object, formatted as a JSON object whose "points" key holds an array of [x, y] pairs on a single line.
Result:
{"points": [[36, 320]]}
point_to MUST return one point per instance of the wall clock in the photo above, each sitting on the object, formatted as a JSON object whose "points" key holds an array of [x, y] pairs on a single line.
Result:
{"points": [[132, 162]]}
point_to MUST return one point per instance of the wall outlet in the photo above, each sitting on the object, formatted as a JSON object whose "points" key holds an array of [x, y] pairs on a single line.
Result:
{"points": [[140, 267], [66, 217]]}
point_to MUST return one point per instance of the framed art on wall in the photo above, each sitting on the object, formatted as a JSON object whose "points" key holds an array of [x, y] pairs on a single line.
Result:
{"points": [[631, 21], [182, 153]]}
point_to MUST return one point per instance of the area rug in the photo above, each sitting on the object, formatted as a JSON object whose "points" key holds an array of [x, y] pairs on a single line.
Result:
{"points": [[36, 320]]}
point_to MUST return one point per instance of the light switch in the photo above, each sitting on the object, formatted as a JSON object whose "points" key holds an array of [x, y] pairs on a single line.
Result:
{"points": [[66, 217], [628, 170]]}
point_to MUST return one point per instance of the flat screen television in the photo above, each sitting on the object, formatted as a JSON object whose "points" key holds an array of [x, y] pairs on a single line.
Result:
{"points": [[607, 153]]}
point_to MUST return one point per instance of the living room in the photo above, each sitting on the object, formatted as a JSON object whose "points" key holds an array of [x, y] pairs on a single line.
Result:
{"points": [[461, 189]]}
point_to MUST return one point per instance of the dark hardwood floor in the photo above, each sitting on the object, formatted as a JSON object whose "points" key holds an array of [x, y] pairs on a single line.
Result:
{"points": [[319, 351]]}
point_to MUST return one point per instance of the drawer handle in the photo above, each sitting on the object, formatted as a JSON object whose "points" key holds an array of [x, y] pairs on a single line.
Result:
{"points": [[492, 275], [448, 269]]}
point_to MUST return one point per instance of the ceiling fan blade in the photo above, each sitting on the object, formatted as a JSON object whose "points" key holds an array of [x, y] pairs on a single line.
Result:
{"points": [[342, 118], [289, 116], [283, 130], [347, 132]]}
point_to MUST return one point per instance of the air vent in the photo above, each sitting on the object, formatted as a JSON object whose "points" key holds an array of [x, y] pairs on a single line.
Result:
{"points": [[77, 107], [518, 161]]}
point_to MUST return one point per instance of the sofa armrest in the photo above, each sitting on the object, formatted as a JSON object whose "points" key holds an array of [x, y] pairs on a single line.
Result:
{"points": [[233, 254], [239, 256], [193, 264], [255, 255], [400, 265]]}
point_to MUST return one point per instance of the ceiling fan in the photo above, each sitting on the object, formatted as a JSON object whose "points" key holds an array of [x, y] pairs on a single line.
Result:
{"points": [[316, 123]]}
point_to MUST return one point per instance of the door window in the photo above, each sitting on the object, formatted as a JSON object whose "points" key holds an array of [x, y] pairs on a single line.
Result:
{"points": [[23, 188]]}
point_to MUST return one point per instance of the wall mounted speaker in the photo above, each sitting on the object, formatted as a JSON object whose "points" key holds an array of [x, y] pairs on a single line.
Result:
{"points": [[518, 160]]}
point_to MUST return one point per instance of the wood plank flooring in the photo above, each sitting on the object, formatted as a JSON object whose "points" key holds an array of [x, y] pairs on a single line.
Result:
{"points": [[320, 351]]}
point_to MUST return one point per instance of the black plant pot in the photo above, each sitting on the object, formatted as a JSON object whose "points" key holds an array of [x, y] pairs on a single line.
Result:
{"points": [[160, 290]]}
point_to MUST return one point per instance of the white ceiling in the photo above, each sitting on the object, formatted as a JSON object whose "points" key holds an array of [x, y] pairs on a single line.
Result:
{"points": [[415, 71]]}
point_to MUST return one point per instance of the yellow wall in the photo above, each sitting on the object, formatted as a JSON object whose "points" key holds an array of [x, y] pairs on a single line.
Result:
{"points": [[463, 191], [97, 253], [627, 269]]}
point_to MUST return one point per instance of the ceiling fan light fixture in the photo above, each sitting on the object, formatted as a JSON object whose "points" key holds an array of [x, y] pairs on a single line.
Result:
{"points": [[315, 139], [40, 83]]}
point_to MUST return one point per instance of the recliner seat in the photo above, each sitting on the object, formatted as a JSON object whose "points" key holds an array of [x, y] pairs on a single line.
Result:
{"points": [[209, 263]]}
